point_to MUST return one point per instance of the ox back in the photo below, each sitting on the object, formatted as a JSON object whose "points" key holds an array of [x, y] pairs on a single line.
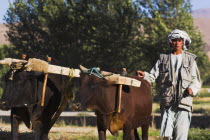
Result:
{"points": [[22, 94], [102, 96]]}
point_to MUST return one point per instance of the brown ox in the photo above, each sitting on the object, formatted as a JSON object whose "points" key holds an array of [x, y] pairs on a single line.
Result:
{"points": [[101, 96]]}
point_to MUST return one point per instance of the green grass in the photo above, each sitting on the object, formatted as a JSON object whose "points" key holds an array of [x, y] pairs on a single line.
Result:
{"points": [[194, 134], [205, 86], [154, 134], [199, 134], [66, 137], [204, 94], [60, 123], [83, 114], [201, 102], [155, 107]]}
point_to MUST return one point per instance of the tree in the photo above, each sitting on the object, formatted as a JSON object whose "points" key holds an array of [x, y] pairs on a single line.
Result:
{"points": [[163, 16], [4, 52], [102, 33], [94, 33], [160, 18]]}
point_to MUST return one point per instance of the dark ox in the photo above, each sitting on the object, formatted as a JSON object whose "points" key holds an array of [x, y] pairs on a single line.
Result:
{"points": [[101, 96], [22, 94]]}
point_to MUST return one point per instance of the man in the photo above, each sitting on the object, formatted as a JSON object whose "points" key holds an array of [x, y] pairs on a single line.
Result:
{"points": [[179, 82]]}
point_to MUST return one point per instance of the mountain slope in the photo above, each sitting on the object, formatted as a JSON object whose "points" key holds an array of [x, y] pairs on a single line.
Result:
{"points": [[3, 30], [202, 21]]}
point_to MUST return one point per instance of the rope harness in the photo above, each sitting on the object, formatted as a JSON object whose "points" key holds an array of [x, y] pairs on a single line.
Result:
{"points": [[94, 71], [65, 99]]}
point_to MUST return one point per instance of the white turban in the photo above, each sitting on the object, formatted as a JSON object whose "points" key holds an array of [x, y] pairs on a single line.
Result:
{"points": [[180, 34]]}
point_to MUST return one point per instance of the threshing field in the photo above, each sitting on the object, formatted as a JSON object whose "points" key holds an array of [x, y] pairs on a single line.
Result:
{"points": [[63, 131]]}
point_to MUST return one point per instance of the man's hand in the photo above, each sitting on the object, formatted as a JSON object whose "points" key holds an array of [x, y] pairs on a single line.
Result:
{"points": [[190, 92], [140, 73]]}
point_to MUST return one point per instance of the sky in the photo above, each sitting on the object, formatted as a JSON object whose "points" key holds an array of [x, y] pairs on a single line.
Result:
{"points": [[196, 4]]}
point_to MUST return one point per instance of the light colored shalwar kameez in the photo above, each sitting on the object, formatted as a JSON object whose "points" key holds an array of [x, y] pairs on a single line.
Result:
{"points": [[176, 119]]}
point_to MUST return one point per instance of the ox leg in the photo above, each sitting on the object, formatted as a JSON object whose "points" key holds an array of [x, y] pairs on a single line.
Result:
{"points": [[101, 128], [45, 132], [15, 121], [144, 129], [102, 134], [41, 130], [38, 130], [136, 135], [44, 136], [128, 133]]}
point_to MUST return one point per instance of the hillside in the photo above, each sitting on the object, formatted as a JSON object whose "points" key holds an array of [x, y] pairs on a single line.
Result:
{"points": [[201, 13], [202, 21], [204, 27], [3, 30]]}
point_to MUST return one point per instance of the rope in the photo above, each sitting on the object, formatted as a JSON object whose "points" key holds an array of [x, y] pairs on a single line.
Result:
{"points": [[71, 74], [65, 99], [94, 71]]}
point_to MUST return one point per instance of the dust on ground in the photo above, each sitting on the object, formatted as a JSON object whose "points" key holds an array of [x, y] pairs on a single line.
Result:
{"points": [[56, 133]]}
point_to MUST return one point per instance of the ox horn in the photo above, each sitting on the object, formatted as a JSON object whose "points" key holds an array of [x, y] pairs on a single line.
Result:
{"points": [[8, 61], [83, 69], [104, 73]]}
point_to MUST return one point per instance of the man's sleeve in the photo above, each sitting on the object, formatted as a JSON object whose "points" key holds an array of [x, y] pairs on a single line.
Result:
{"points": [[154, 73], [195, 85]]}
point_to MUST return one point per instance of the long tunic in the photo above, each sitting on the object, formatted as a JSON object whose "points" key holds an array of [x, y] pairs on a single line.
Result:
{"points": [[183, 65]]}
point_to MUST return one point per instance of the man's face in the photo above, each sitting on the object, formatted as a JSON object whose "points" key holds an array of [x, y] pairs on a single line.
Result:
{"points": [[177, 44]]}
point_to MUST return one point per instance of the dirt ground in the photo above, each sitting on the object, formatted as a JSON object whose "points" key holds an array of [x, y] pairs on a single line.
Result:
{"points": [[56, 133]]}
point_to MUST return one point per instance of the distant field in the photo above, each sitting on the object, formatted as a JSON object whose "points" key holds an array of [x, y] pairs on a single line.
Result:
{"points": [[201, 103]]}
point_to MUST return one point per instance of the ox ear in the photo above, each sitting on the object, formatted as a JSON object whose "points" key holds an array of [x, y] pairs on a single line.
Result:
{"points": [[83, 69]]}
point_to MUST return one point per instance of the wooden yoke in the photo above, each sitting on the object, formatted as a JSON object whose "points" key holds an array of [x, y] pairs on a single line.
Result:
{"points": [[44, 84], [119, 98], [123, 73]]}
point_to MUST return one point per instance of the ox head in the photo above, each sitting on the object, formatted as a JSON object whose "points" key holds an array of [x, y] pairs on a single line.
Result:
{"points": [[95, 92], [19, 91], [24, 88]]}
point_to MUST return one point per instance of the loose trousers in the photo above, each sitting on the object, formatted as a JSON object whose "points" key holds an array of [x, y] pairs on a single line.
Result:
{"points": [[175, 123]]}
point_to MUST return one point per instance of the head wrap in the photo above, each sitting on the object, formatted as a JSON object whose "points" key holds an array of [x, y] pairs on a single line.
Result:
{"points": [[180, 34]]}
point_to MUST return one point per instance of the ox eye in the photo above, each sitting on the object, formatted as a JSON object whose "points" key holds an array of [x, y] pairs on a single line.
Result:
{"points": [[92, 86], [18, 81]]}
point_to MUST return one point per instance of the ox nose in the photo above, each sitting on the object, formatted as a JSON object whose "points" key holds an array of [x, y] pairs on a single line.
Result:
{"points": [[76, 106]]}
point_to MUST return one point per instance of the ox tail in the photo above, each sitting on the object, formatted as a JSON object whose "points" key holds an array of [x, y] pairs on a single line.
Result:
{"points": [[136, 134]]}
